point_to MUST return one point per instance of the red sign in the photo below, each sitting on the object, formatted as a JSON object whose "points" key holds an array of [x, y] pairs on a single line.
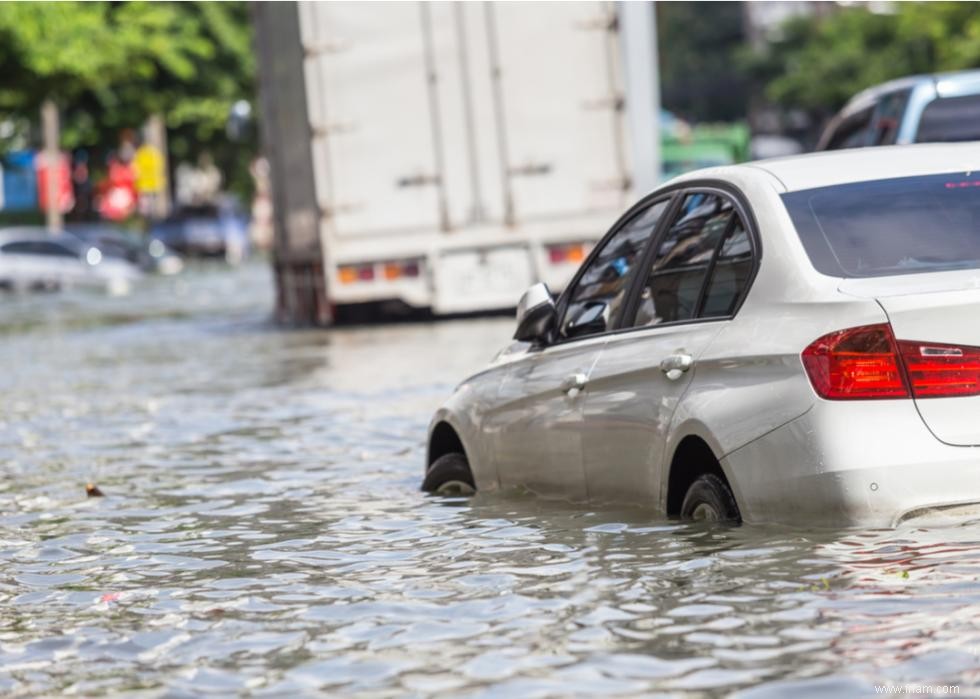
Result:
{"points": [[62, 174]]}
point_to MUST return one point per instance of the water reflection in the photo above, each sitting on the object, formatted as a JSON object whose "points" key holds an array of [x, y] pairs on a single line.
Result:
{"points": [[262, 532]]}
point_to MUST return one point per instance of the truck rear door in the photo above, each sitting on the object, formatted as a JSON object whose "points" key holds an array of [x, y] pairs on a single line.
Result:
{"points": [[373, 140], [560, 108]]}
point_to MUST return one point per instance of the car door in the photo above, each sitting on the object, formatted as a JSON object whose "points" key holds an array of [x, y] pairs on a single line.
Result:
{"points": [[64, 262], [537, 424], [22, 266], [694, 278]]}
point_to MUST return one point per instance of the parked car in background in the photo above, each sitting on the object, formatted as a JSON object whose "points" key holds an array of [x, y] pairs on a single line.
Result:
{"points": [[790, 340], [150, 255], [917, 109], [34, 259], [209, 230]]}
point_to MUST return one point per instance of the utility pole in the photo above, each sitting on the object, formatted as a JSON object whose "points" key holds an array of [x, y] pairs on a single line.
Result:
{"points": [[638, 24], [155, 134], [52, 160]]}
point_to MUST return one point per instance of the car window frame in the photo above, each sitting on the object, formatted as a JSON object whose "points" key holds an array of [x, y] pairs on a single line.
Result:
{"points": [[633, 302], [561, 306], [676, 194], [739, 210]]}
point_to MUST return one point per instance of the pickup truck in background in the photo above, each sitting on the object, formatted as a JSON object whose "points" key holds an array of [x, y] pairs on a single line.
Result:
{"points": [[916, 109]]}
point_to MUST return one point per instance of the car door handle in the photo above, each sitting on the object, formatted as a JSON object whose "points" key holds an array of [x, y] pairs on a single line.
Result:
{"points": [[573, 384], [676, 364]]}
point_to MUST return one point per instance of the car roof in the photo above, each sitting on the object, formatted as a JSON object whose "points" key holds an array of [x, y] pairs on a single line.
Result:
{"points": [[34, 233], [827, 168], [949, 84]]}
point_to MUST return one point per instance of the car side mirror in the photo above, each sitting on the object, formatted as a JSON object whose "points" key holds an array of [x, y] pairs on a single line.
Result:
{"points": [[536, 315], [591, 320]]}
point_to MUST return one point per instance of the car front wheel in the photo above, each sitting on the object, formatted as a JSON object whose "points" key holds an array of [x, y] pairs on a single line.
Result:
{"points": [[709, 499], [449, 475]]}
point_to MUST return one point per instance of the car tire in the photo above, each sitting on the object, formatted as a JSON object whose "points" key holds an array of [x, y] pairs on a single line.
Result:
{"points": [[450, 474], [710, 499]]}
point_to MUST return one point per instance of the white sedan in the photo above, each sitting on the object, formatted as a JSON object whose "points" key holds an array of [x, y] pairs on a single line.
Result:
{"points": [[786, 340], [32, 258]]}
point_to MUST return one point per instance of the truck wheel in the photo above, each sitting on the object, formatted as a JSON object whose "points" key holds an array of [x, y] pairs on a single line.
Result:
{"points": [[449, 475], [709, 499]]}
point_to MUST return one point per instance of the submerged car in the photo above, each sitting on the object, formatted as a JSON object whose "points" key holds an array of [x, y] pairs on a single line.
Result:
{"points": [[916, 109], [793, 340], [150, 255], [210, 230], [34, 259]]}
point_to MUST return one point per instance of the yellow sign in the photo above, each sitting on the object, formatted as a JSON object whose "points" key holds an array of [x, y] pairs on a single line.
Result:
{"points": [[150, 174]]}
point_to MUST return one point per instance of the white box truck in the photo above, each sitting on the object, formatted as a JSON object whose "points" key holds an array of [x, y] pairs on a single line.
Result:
{"points": [[444, 155]]}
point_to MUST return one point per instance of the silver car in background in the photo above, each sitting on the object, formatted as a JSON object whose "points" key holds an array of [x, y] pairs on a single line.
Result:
{"points": [[34, 259], [792, 340], [917, 109]]}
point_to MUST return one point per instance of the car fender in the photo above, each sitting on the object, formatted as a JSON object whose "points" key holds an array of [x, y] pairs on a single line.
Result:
{"points": [[463, 412], [683, 426]]}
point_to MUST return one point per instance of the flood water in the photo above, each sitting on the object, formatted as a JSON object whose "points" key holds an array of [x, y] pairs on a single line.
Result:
{"points": [[262, 532]]}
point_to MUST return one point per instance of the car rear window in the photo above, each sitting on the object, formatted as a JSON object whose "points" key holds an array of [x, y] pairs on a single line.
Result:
{"points": [[950, 119], [904, 225]]}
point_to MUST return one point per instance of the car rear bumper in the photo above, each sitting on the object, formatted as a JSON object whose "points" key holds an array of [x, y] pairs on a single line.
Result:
{"points": [[858, 463]]}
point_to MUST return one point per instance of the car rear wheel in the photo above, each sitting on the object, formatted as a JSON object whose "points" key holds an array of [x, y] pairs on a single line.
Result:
{"points": [[449, 475], [709, 499]]}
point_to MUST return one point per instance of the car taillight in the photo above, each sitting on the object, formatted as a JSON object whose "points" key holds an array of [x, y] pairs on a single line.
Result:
{"points": [[941, 371], [868, 362], [857, 363]]}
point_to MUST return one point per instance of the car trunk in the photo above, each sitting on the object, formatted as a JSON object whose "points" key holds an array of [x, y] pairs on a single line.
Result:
{"points": [[941, 308]]}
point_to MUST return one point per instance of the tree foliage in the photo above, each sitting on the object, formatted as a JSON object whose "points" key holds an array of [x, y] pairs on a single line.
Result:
{"points": [[109, 65], [818, 62], [699, 78]]}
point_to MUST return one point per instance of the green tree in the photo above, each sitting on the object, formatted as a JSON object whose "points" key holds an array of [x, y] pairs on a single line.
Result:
{"points": [[699, 77], [109, 65], [818, 62]]}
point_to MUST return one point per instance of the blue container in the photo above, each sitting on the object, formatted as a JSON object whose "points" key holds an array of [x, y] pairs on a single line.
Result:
{"points": [[19, 181]]}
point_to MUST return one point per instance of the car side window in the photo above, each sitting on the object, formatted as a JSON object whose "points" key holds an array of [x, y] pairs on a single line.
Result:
{"points": [[852, 132], [888, 117], [673, 283], [596, 299], [54, 250], [19, 248], [950, 119], [730, 275]]}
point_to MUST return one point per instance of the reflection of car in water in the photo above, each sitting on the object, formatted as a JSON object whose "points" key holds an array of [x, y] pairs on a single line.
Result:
{"points": [[792, 341], [149, 255], [33, 259], [917, 109], [209, 230]]}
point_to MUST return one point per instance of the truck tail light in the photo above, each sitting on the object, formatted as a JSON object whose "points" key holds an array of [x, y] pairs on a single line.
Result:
{"points": [[867, 362], [390, 270], [349, 274], [559, 254], [401, 269]]}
